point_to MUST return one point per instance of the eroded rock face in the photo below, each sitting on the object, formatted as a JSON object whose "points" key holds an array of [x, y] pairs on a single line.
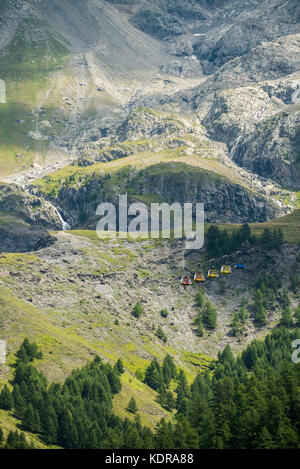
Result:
{"points": [[260, 125], [170, 183], [273, 149], [17, 236], [267, 61], [148, 124], [24, 219], [157, 24], [226, 29], [27, 207]]}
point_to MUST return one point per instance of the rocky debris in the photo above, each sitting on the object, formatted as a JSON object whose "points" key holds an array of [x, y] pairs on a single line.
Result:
{"points": [[37, 136], [187, 67], [157, 24], [45, 241], [230, 111]]}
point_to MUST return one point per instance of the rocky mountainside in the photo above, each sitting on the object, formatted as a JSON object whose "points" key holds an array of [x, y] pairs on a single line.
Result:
{"points": [[224, 71], [79, 194], [167, 101], [83, 284], [211, 84], [188, 101]]}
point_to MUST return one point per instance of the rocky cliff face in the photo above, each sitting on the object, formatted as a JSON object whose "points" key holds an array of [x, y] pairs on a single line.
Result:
{"points": [[24, 219], [273, 149], [29, 208], [165, 182], [261, 129]]}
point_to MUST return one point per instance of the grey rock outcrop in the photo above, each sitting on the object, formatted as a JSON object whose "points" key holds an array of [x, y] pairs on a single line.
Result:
{"points": [[167, 182]]}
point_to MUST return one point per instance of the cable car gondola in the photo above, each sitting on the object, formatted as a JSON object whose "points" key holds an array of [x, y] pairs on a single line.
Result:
{"points": [[240, 266], [199, 277], [213, 273], [185, 281], [226, 269]]}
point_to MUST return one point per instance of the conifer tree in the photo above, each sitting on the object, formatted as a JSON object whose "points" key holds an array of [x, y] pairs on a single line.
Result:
{"points": [[297, 315], [132, 406], [182, 392], [31, 419], [6, 399], [164, 313], [200, 328], [119, 367], [19, 401], [16, 440], [200, 298], [154, 375], [164, 432], [166, 399], [160, 334], [209, 316], [138, 310], [286, 317]]}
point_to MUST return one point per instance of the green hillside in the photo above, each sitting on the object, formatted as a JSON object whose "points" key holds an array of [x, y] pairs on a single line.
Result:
{"points": [[289, 224]]}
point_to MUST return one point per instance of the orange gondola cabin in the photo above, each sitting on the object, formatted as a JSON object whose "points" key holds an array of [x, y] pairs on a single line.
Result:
{"points": [[199, 277]]}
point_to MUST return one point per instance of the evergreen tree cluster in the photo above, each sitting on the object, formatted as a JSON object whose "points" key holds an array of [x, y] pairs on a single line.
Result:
{"points": [[207, 315], [15, 440], [77, 413], [219, 242], [239, 321], [28, 352], [266, 295], [245, 402], [158, 376]]}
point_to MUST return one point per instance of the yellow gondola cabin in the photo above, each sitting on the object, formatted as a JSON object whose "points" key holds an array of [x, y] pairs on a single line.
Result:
{"points": [[213, 273], [225, 269], [199, 277]]}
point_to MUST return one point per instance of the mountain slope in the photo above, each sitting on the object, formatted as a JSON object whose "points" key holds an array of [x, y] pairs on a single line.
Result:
{"points": [[167, 101], [84, 84]]}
